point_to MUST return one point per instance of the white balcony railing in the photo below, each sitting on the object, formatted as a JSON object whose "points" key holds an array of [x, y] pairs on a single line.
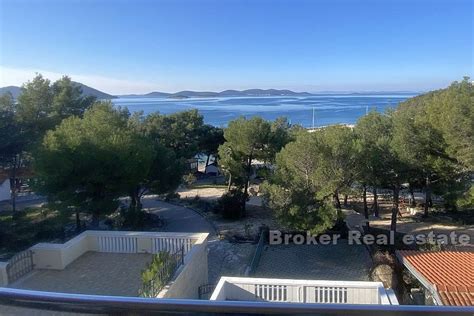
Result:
{"points": [[302, 291]]}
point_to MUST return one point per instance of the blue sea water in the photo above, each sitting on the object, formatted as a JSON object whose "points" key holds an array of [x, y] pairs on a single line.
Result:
{"points": [[328, 109]]}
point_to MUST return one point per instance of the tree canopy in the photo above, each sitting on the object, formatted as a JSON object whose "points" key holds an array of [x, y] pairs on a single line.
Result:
{"points": [[90, 162]]}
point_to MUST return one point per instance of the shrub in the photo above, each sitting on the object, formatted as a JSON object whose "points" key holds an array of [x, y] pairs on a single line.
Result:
{"points": [[230, 204], [172, 196], [132, 219], [189, 179], [157, 274]]}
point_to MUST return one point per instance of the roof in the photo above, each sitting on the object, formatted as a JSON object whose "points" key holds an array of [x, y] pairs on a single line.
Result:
{"points": [[450, 273]]}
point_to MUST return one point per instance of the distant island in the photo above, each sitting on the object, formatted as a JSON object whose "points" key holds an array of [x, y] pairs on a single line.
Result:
{"points": [[225, 93], [86, 90]]}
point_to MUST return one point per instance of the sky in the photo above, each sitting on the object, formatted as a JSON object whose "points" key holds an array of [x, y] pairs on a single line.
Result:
{"points": [[123, 47]]}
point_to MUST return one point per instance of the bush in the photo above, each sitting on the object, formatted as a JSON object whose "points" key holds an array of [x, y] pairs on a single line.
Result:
{"points": [[189, 179], [171, 196], [133, 219], [230, 204], [157, 274]]}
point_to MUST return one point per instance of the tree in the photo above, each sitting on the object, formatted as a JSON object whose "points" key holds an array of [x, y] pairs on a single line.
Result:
{"points": [[372, 133], [280, 135], [451, 112], [89, 163], [421, 147], [68, 100], [246, 141], [210, 139], [293, 191], [335, 150], [178, 131], [39, 107], [166, 169], [12, 144]]}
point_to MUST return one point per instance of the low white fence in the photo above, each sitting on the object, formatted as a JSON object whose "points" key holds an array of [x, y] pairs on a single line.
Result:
{"points": [[300, 291]]}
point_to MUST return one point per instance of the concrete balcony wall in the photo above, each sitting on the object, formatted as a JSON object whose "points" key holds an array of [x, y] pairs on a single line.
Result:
{"points": [[301, 291], [191, 275]]}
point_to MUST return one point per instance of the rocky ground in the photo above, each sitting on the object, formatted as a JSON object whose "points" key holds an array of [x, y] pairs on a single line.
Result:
{"points": [[228, 259]]}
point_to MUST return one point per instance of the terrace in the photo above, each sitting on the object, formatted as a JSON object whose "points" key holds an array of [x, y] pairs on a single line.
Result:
{"points": [[108, 263]]}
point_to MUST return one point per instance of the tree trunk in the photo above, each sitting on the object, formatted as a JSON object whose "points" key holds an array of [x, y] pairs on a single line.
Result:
{"points": [[338, 204], [336, 199], [376, 203], [230, 182], [412, 196], [427, 196], [13, 183], [135, 201], [364, 197], [78, 222], [395, 210], [246, 186], [345, 200], [207, 161]]}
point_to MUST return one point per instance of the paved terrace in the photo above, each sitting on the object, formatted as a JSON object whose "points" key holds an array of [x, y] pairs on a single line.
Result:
{"points": [[315, 262], [92, 273]]}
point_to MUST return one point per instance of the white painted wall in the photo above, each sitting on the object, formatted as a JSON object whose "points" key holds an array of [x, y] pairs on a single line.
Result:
{"points": [[5, 190], [301, 291], [191, 275]]}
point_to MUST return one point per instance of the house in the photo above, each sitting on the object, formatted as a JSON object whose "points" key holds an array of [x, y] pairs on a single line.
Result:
{"points": [[192, 165], [447, 277], [212, 170], [302, 291], [4, 189]]}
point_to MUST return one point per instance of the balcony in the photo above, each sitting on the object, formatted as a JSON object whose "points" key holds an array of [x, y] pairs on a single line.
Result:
{"points": [[108, 263], [302, 291]]}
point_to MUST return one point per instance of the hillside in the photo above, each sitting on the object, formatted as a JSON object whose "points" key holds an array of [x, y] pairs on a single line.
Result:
{"points": [[86, 90], [15, 91]]}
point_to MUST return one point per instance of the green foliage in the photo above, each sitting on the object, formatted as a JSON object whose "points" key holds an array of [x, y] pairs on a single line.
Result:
{"points": [[373, 137], [248, 140], [229, 205], [157, 274], [466, 201], [210, 138], [90, 162], [335, 154], [178, 131], [40, 107], [299, 193], [298, 208], [433, 135], [189, 179], [451, 112]]}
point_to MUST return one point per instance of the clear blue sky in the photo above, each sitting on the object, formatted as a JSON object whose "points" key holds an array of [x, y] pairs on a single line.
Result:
{"points": [[138, 46]]}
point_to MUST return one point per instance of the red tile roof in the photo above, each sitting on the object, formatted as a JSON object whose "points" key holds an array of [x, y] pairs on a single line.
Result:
{"points": [[451, 273]]}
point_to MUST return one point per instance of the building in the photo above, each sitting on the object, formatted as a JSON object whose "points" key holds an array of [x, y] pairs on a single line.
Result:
{"points": [[4, 189], [447, 277], [212, 170]]}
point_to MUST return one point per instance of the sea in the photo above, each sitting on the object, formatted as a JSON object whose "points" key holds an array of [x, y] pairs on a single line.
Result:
{"points": [[308, 111]]}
